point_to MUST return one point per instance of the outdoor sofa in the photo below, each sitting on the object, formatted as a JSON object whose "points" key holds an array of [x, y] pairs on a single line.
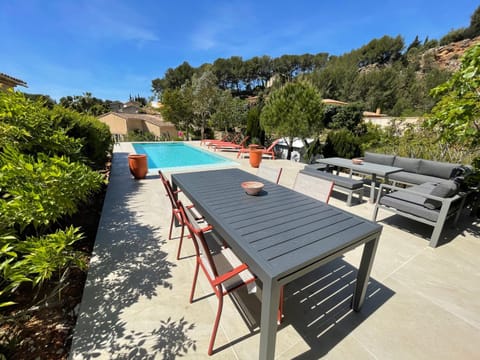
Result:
{"points": [[415, 171], [434, 197]]}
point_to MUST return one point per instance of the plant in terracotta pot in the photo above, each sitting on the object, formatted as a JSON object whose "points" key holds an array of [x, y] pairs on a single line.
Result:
{"points": [[254, 144], [138, 165]]}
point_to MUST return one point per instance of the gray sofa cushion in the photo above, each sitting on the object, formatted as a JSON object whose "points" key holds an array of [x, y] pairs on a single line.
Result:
{"points": [[407, 164], [411, 203], [382, 159], [436, 168], [338, 180], [412, 178], [444, 189]]}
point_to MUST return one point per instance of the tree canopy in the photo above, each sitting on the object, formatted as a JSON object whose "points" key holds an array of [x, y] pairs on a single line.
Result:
{"points": [[294, 110]]}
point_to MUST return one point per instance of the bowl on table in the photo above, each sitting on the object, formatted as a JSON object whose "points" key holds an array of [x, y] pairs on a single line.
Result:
{"points": [[252, 187], [357, 161]]}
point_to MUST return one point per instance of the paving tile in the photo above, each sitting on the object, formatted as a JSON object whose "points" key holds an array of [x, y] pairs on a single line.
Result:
{"points": [[448, 279], [410, 326]]}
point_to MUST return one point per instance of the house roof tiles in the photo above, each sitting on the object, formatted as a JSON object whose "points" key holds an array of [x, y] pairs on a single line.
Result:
{"points": [[12, 80]]}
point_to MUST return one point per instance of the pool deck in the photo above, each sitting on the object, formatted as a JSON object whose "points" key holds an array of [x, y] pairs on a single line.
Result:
{"points": [[422, 303]]}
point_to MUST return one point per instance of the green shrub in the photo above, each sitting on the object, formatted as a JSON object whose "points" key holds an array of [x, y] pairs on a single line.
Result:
{"points": [[27, 125], [95, 136], [454, 36], [342, 143], [32, 128], [137, 135], [254, 129], [39, 191], [37, 259]]}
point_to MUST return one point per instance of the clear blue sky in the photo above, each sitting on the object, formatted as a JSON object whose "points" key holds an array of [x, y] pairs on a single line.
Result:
{"points": [[114, 48]]}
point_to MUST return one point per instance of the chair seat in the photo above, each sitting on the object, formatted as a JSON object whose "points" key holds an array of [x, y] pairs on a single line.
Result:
{"points": [[411, 203], [195, 213]]}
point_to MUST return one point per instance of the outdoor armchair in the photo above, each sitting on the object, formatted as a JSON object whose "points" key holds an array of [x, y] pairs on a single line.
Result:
{"points": [[430, 203]]}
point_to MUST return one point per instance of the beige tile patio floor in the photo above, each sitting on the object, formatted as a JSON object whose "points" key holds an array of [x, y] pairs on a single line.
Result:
{"points": [[422, 303]]}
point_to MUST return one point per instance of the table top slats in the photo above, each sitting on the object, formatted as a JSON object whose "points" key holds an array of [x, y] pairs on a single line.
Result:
{"points": [[289, 262], [271, 232]]}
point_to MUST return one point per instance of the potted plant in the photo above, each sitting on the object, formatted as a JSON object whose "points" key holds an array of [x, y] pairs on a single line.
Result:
{"points": [[138, 165], [254, 144]]}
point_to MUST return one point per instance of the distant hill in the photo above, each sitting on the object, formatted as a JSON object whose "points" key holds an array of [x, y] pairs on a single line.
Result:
{"points": [[448, 56]]}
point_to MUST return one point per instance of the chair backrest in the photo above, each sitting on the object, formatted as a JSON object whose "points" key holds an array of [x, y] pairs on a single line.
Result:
{"points": [[235, 138], [272, 145], [269, 173], [317, 188], [170, 193], [162, 177], [202, 249], [243, 142]]}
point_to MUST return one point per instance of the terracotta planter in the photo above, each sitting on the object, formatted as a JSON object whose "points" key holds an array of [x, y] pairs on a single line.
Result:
{"points": [[138, 165], [255, 157]]}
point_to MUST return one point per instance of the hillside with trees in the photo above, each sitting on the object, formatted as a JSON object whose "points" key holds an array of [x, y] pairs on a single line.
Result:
{"points": [[386, 73]]}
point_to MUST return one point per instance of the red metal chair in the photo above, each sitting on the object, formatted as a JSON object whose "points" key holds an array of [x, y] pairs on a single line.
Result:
{"points": [[172, 195], [223, 269]]}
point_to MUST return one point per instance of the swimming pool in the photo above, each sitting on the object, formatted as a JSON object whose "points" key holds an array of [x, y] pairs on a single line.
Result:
{"points": [[172, 156]]}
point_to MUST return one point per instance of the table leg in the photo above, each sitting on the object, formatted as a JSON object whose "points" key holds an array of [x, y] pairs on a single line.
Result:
{"points": [[369, 250], [268, 321], [373, 185]]}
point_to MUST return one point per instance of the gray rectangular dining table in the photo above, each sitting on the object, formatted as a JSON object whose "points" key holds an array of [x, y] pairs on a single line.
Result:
{"points": [[369, 168], [280, 234]]}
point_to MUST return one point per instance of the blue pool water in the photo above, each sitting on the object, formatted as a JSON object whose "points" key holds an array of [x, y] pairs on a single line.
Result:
{"points": [[167, 156]]}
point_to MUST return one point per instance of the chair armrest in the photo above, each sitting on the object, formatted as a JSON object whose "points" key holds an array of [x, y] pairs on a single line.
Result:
{"points": [[428, 196], [228, 275]]}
